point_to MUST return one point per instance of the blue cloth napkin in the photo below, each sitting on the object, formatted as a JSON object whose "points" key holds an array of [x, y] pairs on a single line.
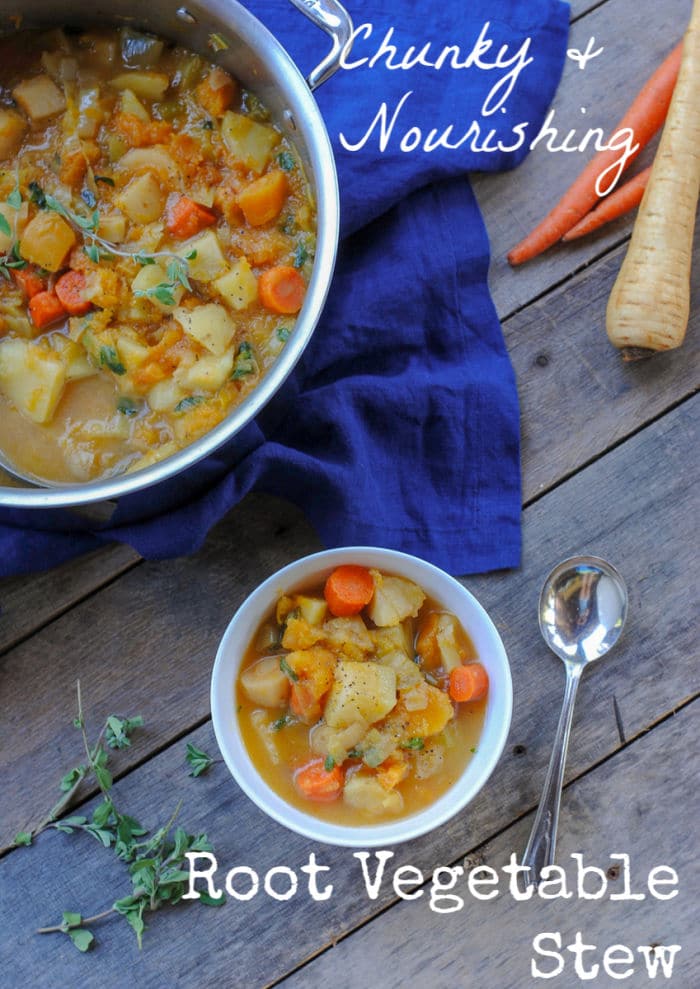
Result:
{"points": [[400, 425]]}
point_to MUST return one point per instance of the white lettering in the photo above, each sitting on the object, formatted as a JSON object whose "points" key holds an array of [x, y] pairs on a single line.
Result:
{"points": [[626, 894], [313, 870], [373, 885], [589, 870], [490, 879], [537, 972], [281, 870], [207, 874], [438, 890], [242, 870], [577, 949], [408, 875], [663, 953], [626, 959], [653, 882]]}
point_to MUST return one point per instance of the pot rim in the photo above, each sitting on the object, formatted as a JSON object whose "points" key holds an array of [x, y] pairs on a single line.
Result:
{"points": [[304, 119]]}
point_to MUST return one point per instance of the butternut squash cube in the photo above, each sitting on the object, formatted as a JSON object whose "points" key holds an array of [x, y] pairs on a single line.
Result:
{"points": [[262, 200], [248, 141], [209, 325], [32, 377], [12, 128], [47, 240], [39, 97], [143, 199], [239, 286], [361, 691]]}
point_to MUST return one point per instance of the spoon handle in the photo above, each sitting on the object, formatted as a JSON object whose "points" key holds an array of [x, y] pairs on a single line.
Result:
{"points": [[541, 844]]}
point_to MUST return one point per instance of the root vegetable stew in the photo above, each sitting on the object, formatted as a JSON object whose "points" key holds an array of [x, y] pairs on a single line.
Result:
{"points": [[361, 700], [156, 239]]}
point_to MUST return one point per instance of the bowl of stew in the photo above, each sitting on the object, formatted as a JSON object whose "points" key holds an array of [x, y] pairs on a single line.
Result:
{"points": [[168, 229], [361, 696]]}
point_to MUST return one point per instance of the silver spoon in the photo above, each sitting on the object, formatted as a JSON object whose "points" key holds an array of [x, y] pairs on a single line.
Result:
{"points": [[582, 610]]}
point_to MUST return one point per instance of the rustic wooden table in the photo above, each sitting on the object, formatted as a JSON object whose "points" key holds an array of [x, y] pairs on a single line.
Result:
{"points": [[610, 468]]}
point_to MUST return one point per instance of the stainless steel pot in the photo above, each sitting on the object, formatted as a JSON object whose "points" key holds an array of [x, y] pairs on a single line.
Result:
{"points": [[224, 31]]}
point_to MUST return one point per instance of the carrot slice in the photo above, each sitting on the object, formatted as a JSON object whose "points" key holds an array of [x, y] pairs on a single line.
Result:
{"points": [[348, 589], [186, 218], [70, 289], [282, 289], [618, 203], [315, 782], [644, 117], [45, 308], [469, 682], [29, 280]]}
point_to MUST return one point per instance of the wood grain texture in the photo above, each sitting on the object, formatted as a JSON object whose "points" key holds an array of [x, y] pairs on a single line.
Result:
{"points": [[578, 397], [637, 35], [27, 604], [621, 807], [651, 672]]}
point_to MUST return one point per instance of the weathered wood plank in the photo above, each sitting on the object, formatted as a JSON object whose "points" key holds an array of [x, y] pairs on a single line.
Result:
{"points": [[578, 398], [601, 817], [636, 35], [146, 643], [28, 604]]}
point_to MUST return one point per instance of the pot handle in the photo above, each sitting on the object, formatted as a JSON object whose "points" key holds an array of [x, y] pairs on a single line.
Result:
{"points": [[332, 17]]}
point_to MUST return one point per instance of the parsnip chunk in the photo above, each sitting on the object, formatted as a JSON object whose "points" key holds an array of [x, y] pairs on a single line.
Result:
{"points": [[361, 691], [39, 97]]}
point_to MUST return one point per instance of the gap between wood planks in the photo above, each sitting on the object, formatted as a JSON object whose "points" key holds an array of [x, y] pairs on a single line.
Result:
{"points": [[474, 853]]}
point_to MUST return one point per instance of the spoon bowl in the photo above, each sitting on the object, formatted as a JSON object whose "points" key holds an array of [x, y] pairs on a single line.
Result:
{"points": [[582, 611]]}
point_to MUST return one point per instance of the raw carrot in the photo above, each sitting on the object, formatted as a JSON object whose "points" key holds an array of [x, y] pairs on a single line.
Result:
{"points": [[282, 289], [45, 308], [469, 682], [315, 782], [186, 218], [644, 117], [348, 589], [615, 205], [70, 289], [650, 301], [29, 280]]}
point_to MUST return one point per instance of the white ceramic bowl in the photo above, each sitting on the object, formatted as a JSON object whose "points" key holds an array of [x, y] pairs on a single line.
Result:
{"points": [[439, 586]]}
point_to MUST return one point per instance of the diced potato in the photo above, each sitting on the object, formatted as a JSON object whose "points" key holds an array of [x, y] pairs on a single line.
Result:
{"points": [[133, 353], [429, 760], [364, 792], [248, 141], [407, 672], [143, 199], [239, 286], [209, 325], [265, 683], [209, 261], [313, 610], [32, 377], [39, 97], [336, 742], [154, 160], [17, 221], [12, 128], [208, 373], [47, 240], [130, 103], [147, 85], [348, 635], [91, 113], [376, 746], [262, 200], [165, 395], [398, 637], [395, 598], [361, 691], [113, 227], [261, 722], [61, 67], [73, 356], [439, 643], [152, 275]]}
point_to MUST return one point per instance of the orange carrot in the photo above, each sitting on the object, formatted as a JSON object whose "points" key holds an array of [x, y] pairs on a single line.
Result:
{"points": [[282, 290], [644, 117], [45, 308], [618, 203], [29, 280], [70, 289], [315, 782], [186, 218], [348, 589], [469, 682]]}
